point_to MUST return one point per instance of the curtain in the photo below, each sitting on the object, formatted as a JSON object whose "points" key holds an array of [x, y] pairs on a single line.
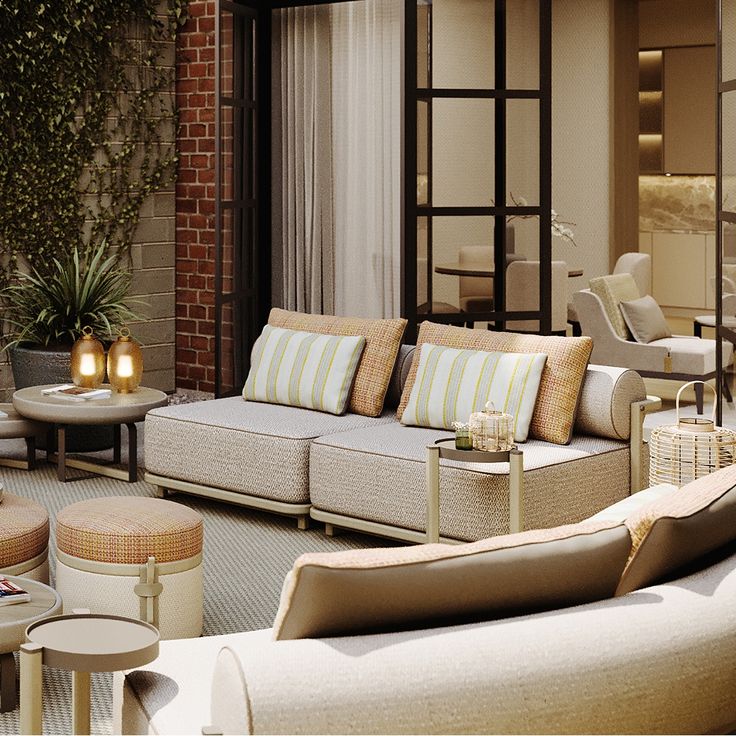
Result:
{"points": [[302, 217], [337, 197], [366, 123]]}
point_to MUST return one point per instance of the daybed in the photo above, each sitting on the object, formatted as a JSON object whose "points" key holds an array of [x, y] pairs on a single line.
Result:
{"points": [[656, 659], [369, 473]]}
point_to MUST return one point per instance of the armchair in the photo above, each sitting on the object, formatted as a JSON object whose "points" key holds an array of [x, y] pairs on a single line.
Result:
{"points": [[677, 358]]}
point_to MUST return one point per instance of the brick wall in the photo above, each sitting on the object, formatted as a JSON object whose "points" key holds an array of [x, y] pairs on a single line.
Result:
{"points": [[195, 200]]}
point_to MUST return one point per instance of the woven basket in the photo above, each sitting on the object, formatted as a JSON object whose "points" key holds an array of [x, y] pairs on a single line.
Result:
{"points": [[690, 449]]}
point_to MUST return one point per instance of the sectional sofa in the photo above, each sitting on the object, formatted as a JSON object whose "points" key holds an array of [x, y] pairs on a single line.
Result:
{"points": [[656, 657], [368, 473]]}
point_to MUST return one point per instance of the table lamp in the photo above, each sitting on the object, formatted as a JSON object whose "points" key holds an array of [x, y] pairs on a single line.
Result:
{"points": [[125, 363], [88, 360]]}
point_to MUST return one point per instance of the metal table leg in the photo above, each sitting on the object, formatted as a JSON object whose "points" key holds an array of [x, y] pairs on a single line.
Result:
{"points": [[132, 452], [61, 452]]}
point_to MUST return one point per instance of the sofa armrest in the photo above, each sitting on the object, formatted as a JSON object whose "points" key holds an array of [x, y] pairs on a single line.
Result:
{"points": [[605, 401]]}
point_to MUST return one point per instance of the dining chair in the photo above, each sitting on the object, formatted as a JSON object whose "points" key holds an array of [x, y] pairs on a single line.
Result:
{"points": [[476, 292], [522, 295]]}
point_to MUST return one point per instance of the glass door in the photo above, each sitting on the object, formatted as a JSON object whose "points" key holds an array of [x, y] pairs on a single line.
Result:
{"points": [[477, 158], [725, 191], [242, 257]]}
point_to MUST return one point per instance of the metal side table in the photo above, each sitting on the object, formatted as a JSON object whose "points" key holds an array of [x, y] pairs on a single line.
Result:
{"points": [[446, 450], [81, 643]]}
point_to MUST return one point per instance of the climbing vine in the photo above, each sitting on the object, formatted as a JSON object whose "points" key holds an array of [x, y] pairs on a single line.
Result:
{"points": [[87, 123]]}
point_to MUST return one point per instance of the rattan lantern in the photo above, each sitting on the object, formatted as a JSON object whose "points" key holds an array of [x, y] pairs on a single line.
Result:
{"points": [[88, 360], [491, 430], [690, 449], [125, 363]]}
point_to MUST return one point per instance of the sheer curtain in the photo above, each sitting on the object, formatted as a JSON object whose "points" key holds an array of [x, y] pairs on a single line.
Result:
{"points": [[337, 202], [302, 216]]}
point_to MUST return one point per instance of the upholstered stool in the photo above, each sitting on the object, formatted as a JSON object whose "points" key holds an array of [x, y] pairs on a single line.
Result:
{"points": [[130, 556], [13, 427], [24, 538]]}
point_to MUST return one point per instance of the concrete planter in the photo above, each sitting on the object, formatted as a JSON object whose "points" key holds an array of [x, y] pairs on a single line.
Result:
{"points": [[34, 366]]}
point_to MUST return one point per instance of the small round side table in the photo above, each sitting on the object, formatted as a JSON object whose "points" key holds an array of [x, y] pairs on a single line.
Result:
{"points": [[81, 643], [14, 619], [445, 449]]}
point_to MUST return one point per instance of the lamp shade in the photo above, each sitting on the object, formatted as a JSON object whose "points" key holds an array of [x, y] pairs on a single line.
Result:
{"points": [[125, 363], [88, 360]]}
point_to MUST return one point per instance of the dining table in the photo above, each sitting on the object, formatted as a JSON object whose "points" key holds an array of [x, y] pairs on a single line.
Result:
{"points": [[456, 269]]}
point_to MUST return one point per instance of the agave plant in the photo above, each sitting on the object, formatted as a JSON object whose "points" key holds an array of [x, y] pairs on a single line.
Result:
{"points": [[51, 308]]}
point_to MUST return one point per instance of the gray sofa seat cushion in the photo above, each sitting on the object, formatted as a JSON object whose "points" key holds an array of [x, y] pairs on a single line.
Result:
{"points": [[380, 476], [243, 446]]}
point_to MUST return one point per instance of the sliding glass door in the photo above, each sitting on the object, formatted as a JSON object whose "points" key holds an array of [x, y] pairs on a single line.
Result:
{"points": [[477, 157], [726, 186], [242, 210]]}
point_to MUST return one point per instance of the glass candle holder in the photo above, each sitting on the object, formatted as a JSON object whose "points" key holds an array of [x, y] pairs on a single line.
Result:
{"points": [[463, 440], [88, 361], [125, 363]]}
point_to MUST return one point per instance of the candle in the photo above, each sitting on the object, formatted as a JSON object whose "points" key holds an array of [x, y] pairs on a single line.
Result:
{"points": [[87, 366], [125, 366]]}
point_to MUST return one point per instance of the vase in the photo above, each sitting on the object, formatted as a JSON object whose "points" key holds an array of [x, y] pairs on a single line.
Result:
{"points": [[35, 366]]}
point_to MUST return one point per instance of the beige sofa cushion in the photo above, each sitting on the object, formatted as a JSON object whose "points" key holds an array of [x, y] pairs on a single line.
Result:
{"points": [[382, 341], [612, 290], [409, 587], [562, 377], [645, 319], [679, 528]]}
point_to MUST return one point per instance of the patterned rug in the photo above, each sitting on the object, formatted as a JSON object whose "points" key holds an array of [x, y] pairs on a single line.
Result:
{"points": [[247, 554]]}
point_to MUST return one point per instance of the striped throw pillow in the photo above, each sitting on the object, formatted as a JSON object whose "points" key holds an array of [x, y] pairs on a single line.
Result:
{"points": [[451, 384], [303, 369]]}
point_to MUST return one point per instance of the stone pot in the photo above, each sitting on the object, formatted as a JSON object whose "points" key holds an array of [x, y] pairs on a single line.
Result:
{"points": [[35, 366]]}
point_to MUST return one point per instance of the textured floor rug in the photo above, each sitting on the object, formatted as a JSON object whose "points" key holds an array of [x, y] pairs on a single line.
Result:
{"points": [[247, 554]]}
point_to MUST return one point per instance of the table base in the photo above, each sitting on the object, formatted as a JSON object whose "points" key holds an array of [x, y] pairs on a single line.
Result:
{"points": [[8, 693], [56, 452]]}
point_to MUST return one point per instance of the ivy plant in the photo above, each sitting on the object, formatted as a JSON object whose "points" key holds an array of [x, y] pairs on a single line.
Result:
{"points": [[87, 124]]}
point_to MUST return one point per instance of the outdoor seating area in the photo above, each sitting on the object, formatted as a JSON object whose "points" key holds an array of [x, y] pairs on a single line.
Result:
{"points": [[367, 367]]}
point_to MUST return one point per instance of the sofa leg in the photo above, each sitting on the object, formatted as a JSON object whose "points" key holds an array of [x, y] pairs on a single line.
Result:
{"points": [[330, 530], [302, 523], [161, 492]]}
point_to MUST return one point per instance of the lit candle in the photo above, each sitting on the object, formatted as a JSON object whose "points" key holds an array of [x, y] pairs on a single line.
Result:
{"points": [[125, 366], [87, 366]]}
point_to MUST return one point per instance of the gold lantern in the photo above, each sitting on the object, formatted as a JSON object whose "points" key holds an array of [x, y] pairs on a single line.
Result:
{"points": [[125, 363], [492, 430], [88, 360]]}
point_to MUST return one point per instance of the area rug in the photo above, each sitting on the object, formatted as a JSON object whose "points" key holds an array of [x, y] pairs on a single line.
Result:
{"points": [[246, 556]]}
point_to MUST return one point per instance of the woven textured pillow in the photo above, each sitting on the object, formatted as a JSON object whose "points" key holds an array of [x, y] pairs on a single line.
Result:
{"points": [[612, 290], [679, 528], [451, 384], [303, 369], [562, 377], [645, 319], [382, 341], [331, 594]]}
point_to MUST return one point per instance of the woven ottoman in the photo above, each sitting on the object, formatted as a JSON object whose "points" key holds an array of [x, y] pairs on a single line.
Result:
{"points": [[136, 557], [24, 538]]}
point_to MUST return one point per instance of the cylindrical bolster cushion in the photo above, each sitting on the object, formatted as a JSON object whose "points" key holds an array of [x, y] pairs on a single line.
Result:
{"points": [[400, 374], [605, 401]]}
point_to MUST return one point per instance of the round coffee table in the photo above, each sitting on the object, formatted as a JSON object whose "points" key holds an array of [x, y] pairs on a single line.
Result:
{"points": [[117, 410], [14, 620], [80, 643]]}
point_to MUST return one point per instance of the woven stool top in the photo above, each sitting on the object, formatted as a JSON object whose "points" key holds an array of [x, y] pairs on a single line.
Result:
{"points": [[24, 530], [128, 529]]}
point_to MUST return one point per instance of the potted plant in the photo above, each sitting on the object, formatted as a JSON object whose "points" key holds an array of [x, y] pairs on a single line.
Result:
{"points": [[46, 312]]}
